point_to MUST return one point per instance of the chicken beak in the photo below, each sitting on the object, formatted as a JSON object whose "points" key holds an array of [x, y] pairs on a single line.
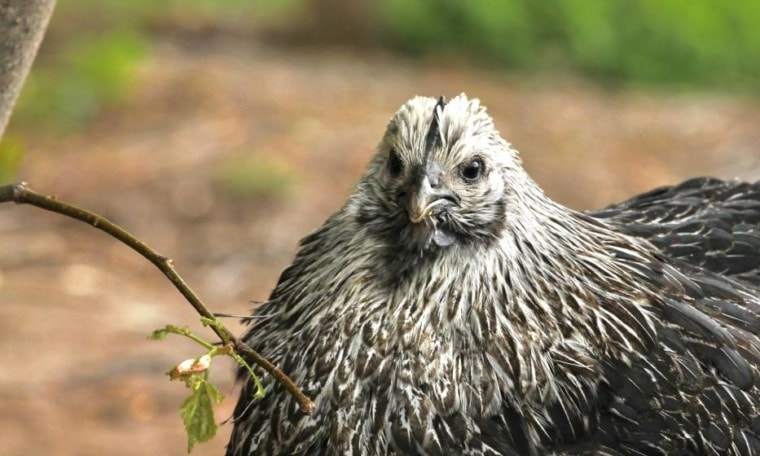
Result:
{"points": [[423, 199], [420, 198]]}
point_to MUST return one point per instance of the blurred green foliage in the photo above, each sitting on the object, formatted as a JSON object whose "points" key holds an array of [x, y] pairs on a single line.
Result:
{"points": [[256, 178], [93, 47], [10, 158], [88, 74], [92, 50], [690, 42]]}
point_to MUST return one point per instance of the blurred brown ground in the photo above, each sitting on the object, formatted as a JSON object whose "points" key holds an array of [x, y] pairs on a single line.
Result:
{"points": [[78, 375]]}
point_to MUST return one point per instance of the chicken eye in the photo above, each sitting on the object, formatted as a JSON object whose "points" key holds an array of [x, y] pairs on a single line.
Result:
{"points": [[471, 171], [395, 165]]}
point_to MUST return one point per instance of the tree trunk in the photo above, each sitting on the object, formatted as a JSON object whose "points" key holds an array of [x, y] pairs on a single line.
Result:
{"points": [[22, 26]]}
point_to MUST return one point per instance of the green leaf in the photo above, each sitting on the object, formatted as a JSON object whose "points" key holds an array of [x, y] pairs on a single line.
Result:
{"points": [[159, 334], [198, 414], [213, 393]]}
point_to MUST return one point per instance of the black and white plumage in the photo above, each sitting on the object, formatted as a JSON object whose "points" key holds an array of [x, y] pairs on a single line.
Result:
{"points": [[450, 307]]}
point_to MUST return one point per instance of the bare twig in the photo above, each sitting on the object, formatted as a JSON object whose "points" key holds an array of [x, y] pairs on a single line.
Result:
{"points": [[21, 194]]}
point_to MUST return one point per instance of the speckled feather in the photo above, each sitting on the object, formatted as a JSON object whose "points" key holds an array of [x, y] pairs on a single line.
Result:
{"points": [[506, 324]]}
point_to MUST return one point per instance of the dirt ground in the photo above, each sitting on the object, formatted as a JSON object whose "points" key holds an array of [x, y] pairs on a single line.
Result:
{"points": [[78, 375]]}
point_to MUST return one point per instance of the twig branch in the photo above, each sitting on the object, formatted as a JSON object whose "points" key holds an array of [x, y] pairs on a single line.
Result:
{"points": [[21, 194]]}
